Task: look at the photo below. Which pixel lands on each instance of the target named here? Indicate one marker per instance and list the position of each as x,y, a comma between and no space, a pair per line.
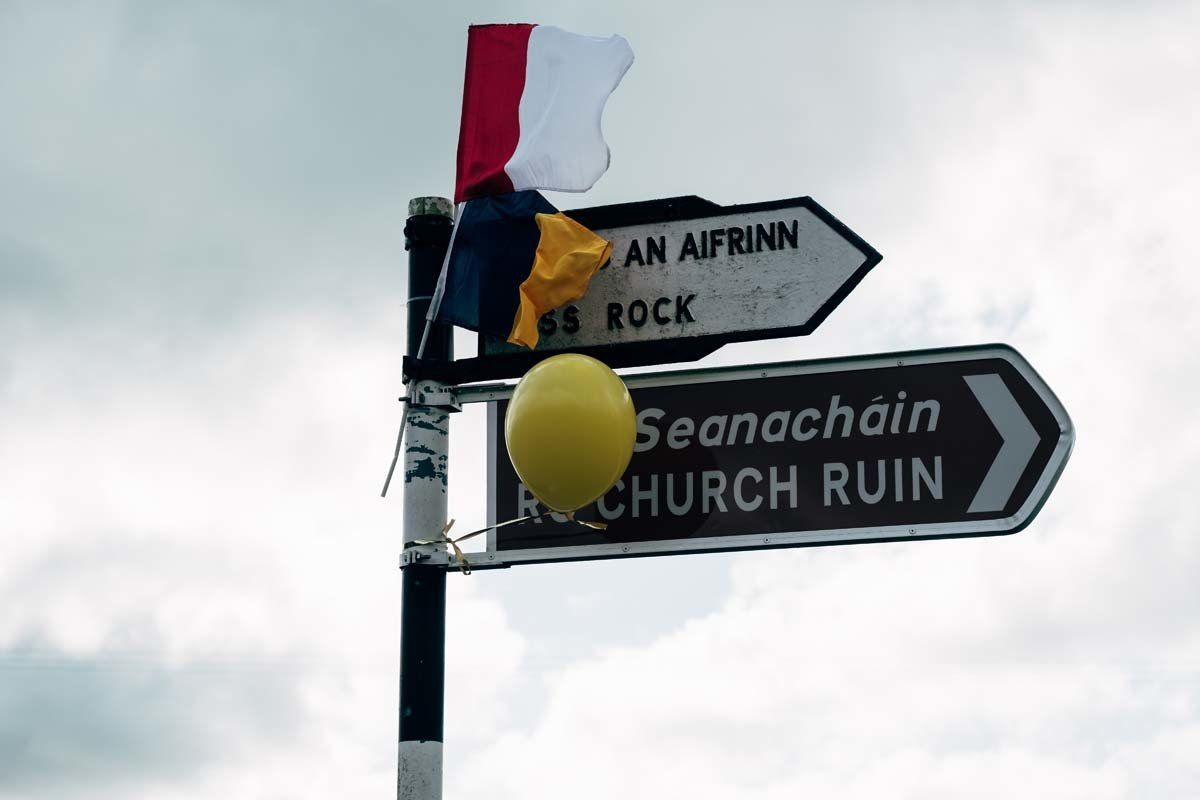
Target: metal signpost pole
423,610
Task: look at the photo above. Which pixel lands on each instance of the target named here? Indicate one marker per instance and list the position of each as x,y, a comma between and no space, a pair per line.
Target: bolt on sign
922,445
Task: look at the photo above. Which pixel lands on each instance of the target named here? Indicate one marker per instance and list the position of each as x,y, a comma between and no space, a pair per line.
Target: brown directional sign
687,276
922,445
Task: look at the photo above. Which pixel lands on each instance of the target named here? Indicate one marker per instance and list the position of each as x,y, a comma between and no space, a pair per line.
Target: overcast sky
201,323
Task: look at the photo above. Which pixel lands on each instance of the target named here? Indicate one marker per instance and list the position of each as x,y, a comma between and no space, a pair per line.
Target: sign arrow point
1019,442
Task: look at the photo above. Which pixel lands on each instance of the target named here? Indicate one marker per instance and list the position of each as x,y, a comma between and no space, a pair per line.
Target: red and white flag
532,103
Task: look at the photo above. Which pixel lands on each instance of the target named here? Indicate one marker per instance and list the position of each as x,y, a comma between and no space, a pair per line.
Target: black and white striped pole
423,601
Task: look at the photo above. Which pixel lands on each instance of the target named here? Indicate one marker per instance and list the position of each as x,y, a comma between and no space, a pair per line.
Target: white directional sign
686,276
686,268
933,444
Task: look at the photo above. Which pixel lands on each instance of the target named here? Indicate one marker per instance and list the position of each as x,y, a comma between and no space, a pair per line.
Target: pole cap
430,206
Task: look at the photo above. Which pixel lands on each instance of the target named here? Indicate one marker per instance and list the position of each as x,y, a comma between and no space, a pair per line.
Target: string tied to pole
460,558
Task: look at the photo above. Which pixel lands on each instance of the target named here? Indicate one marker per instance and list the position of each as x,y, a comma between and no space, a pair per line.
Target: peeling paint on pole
425,456
425,451
430,206
420,770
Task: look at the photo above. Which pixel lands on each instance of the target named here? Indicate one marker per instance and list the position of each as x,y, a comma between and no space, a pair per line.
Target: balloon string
463,565
596,526
461,560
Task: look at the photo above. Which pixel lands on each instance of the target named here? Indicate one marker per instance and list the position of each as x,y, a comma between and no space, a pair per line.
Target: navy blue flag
513,258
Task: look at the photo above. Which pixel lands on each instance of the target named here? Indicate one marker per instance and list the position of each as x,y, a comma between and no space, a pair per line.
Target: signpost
923,445
688,275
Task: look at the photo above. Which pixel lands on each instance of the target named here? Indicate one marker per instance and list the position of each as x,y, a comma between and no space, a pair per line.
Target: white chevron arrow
1020,440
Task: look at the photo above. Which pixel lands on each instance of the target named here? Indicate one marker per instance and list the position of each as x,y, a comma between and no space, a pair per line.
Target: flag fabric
532,102
514,258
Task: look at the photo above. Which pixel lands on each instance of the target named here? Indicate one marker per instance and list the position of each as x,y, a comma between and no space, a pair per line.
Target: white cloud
199,578
930,670
198,587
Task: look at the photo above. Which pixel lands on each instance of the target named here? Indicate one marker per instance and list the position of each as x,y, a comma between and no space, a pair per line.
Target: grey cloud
193,162
188,163
70,724
129,661
26,275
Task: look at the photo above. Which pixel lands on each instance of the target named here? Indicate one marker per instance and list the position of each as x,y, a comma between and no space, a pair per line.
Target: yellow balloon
570,428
